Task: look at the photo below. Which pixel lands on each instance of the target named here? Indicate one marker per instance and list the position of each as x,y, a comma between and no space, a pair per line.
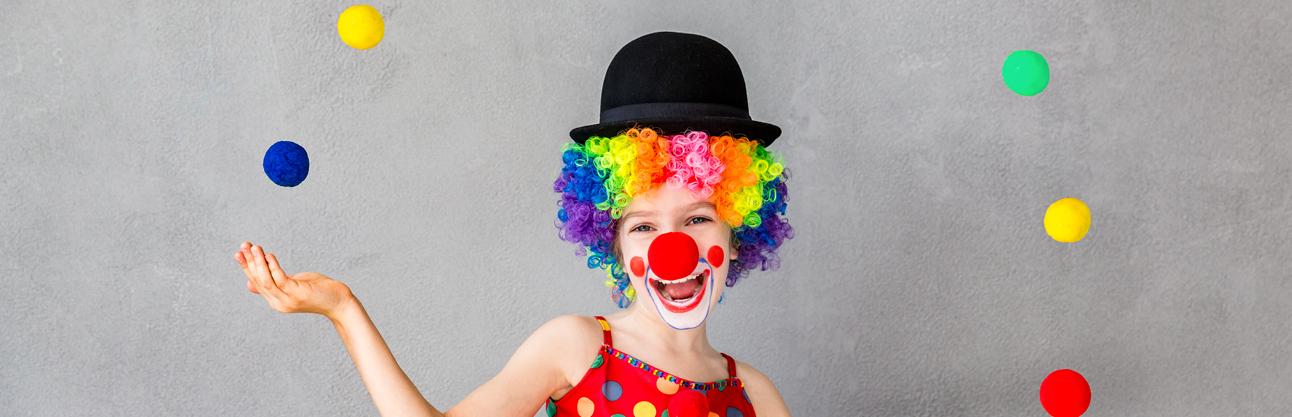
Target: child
664,215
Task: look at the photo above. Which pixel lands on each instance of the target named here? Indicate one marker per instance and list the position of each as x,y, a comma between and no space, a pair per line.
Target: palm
315,292
305,292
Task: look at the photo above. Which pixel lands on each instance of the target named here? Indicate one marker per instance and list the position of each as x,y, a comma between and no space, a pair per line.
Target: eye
700,220
640,228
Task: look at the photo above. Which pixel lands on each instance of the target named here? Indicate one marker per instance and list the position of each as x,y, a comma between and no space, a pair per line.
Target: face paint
716,256
638,267
676,268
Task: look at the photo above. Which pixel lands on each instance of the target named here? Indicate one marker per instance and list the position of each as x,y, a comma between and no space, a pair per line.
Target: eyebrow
694,206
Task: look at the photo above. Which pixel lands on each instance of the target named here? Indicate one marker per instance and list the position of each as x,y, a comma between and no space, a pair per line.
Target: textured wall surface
920,283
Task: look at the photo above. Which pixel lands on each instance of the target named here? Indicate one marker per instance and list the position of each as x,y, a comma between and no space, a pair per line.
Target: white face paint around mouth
686,313
661,285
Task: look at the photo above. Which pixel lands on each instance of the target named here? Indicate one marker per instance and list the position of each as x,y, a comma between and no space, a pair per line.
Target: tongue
682,290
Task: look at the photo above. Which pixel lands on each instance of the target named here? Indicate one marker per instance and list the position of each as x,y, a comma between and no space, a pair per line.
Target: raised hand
304,292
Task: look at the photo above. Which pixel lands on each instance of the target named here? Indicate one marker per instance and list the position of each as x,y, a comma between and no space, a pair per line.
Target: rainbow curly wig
745,181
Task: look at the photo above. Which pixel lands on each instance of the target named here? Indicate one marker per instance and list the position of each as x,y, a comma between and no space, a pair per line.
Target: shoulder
762,393
544,364
570,341
571,330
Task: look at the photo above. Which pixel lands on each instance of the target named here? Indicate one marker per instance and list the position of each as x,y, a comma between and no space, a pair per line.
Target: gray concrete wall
921,281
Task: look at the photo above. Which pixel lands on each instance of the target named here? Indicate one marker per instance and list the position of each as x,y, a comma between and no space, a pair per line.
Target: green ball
1026,73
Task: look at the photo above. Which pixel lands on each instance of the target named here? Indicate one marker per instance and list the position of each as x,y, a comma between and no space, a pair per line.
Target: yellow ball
361,26
1067,220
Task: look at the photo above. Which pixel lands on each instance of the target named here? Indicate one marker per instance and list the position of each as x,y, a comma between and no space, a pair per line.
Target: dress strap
731,364
605,332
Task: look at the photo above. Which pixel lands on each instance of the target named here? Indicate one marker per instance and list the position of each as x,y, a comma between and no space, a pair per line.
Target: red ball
689,403
1065,393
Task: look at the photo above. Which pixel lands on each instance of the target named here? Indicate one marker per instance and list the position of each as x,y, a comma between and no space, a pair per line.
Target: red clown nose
673,255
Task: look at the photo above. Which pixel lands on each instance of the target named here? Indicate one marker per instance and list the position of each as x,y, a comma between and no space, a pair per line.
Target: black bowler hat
675,82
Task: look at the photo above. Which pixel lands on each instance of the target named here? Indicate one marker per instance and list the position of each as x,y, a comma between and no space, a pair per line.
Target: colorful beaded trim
702,386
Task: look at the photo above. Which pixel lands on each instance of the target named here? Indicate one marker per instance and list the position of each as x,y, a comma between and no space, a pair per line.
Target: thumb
284,281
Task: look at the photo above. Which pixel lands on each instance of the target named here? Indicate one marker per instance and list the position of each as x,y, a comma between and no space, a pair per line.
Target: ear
735,245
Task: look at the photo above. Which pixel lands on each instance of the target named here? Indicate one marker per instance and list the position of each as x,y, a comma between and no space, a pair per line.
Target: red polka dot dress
619,385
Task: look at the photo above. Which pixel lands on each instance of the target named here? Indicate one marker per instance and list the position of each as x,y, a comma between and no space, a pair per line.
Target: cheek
638,266
716,256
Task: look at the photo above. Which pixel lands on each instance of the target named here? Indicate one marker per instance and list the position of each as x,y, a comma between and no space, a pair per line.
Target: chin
685,312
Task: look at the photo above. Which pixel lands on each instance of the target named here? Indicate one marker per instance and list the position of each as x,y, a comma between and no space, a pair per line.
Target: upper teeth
679,279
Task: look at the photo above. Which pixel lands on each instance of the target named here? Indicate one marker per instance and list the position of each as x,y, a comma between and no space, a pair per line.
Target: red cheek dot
716,256
638,266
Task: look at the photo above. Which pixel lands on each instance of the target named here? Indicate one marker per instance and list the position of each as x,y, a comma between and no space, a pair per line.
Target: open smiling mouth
683,294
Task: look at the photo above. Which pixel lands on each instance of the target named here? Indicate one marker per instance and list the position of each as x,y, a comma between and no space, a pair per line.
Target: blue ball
286,163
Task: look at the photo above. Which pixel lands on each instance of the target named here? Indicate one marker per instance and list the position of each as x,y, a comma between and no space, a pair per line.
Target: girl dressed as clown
676,196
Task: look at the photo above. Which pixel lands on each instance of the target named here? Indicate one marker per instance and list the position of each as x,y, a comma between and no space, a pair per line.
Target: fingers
261,270
262,280
265,276
244,255
276,271
245,260
248,263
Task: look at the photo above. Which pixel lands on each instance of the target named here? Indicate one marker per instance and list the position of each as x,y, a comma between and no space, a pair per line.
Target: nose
673,255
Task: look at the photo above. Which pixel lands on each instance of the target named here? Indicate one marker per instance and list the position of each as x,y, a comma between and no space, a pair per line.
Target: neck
647,324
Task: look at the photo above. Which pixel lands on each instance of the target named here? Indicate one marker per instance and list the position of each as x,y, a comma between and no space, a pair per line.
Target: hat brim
764,133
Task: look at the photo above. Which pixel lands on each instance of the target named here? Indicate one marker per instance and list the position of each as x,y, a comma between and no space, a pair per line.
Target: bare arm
535,371
532,374
766,399
391,390
308,292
